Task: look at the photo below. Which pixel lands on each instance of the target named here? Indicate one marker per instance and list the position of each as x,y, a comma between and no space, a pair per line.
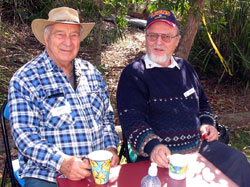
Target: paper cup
100,162
178,166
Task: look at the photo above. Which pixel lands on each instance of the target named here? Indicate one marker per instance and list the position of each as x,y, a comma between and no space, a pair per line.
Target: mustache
159,47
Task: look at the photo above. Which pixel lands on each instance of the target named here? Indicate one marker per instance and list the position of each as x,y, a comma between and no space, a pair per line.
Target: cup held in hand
178,166
100,162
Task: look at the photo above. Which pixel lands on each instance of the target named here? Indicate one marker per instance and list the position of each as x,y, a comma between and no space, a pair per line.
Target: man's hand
212,132
115,160
159,155
75,168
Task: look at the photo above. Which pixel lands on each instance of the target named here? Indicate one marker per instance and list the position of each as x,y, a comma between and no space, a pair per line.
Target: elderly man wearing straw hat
59,105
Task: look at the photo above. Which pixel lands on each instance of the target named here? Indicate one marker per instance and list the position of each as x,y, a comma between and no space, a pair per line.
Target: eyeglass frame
169,38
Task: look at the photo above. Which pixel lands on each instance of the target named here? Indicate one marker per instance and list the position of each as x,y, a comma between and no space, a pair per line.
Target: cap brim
160,20
38,26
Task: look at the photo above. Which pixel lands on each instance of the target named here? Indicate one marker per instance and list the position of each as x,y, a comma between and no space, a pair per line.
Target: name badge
189,92
61,110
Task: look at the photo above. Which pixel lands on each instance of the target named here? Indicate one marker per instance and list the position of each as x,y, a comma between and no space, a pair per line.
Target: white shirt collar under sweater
150,64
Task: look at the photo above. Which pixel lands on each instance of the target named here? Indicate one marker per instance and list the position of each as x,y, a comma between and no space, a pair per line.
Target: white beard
158,59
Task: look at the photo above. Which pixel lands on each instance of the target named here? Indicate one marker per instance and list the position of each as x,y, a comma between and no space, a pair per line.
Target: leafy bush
24,11
229,27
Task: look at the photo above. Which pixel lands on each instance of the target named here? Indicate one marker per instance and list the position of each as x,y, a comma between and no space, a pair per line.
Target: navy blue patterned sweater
162,105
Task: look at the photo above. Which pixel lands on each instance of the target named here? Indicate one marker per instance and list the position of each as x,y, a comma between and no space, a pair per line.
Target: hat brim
38,26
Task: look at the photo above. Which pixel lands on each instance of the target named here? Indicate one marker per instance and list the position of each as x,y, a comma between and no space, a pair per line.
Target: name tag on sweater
189,92
61,110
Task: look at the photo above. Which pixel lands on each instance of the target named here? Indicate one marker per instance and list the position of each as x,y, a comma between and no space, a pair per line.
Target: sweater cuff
151,145
207,118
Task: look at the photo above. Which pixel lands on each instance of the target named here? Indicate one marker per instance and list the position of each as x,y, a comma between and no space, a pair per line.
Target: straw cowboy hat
60,15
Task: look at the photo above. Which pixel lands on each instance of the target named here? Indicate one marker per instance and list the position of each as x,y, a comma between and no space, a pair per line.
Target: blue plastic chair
11,166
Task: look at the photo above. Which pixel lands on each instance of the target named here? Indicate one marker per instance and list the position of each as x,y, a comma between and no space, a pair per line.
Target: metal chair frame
124,150
8,168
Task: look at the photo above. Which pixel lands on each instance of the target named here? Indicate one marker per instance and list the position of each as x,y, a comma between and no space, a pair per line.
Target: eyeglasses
166,38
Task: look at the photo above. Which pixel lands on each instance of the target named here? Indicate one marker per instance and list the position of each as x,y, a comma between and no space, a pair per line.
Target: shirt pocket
56,109
96,106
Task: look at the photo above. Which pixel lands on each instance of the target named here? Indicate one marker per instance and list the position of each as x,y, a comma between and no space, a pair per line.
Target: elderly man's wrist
151,145
112,150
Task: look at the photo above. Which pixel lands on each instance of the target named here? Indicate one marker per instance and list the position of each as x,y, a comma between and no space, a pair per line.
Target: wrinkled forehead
65,26
162,26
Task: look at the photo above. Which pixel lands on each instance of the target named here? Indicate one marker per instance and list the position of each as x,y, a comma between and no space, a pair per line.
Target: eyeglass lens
164,37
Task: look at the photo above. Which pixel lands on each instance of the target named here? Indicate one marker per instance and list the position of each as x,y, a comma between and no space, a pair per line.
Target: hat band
65,20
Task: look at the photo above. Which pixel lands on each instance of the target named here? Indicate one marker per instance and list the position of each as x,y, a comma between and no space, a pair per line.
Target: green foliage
102,69
8,184
24,11
168,5
228,24
43,7
240,139
117,9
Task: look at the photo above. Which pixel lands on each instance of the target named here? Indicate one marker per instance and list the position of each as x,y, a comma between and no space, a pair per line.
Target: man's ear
46,37
179,38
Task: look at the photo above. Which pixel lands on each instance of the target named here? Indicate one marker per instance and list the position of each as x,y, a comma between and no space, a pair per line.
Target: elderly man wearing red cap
59,105
163,109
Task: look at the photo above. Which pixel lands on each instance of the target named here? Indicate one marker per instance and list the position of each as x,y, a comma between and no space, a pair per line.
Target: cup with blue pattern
100,162
178,164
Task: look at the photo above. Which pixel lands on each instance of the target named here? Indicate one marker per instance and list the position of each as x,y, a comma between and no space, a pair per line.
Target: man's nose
159,40
67,40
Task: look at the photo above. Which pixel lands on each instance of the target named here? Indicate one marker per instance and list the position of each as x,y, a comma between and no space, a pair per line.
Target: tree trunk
98,34
190,30
1,7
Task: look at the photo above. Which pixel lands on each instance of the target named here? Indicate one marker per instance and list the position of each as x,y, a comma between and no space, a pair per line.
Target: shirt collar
50,64
150,64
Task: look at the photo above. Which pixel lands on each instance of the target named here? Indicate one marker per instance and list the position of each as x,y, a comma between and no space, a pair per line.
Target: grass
240,139
7,184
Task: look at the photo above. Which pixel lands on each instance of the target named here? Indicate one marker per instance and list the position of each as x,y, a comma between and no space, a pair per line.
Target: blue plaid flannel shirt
49,120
